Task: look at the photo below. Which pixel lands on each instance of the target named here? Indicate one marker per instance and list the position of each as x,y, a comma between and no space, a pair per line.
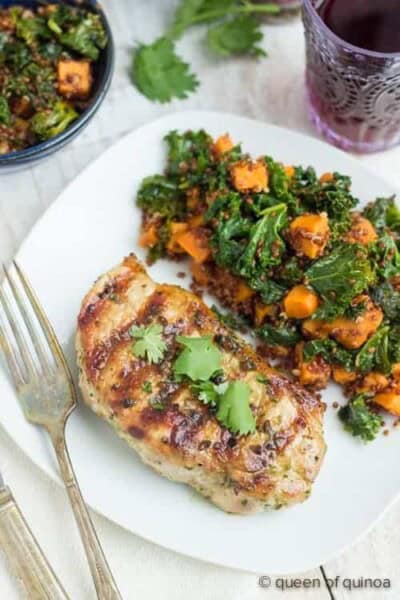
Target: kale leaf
374,355
5,114
386,255
330,351
394,343
360,420
383,213
290,272
332,196
339,277
265,246
279,334
160,195
188,153
270,291
388,298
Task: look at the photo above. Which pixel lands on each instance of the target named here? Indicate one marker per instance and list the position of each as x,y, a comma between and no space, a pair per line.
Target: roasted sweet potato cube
74,79
250,176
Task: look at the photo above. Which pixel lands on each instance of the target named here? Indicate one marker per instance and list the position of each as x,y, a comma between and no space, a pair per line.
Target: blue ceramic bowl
102,81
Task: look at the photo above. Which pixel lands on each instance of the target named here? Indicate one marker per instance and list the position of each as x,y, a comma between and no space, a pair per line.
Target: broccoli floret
359,419
52,121
83,33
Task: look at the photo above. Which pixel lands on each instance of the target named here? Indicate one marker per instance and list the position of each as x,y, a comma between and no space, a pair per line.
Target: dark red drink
370,24
353,71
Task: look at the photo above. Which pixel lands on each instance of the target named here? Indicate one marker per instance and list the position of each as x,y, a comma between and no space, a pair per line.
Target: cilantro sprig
149,343
234,409
199,361
161,75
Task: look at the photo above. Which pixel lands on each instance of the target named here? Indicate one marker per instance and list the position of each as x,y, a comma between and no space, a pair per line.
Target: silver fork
47,394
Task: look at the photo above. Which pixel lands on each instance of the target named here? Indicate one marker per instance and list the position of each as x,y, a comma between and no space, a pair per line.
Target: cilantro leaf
236,36
199,360
209,392
150,343
186,11
234,409
160,74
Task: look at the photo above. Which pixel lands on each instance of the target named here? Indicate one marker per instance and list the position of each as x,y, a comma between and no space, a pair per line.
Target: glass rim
338,39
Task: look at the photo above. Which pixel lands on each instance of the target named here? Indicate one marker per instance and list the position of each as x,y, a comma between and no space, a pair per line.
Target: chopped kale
388,298
339,277
360,420
330,351
290,272
158,195
374,355
265,245
386,255
5,114
231,320
189,154
281,334
383,213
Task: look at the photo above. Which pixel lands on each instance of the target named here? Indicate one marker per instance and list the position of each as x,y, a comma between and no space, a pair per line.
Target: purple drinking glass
353,93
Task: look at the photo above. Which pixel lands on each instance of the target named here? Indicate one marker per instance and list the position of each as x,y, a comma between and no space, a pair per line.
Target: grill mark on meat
102,353
116,286
152,308
137,432
184,431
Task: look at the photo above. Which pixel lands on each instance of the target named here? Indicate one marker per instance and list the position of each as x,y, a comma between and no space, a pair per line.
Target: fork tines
26,336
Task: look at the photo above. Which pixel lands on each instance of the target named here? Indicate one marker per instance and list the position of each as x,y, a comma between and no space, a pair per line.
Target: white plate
92,225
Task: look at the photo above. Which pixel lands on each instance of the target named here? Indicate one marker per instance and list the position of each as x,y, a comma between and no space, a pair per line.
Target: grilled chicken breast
274,466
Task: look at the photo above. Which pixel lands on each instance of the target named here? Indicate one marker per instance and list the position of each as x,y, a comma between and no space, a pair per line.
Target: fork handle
24,554
105,585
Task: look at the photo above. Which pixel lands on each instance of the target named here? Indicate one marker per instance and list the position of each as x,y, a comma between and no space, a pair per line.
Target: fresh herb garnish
231,401
209,392
160,74
199,360
150,343
236,36
234,409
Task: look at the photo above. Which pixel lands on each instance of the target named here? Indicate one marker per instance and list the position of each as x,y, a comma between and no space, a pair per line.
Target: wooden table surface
271,90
